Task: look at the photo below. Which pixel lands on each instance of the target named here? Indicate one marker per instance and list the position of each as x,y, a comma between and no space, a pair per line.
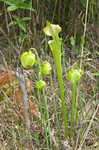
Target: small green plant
18,4
72,41
20,22
73,76
55,45
76,50
13,6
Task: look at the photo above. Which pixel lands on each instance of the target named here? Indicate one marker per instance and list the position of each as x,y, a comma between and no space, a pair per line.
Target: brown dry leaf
8,77
17,96
28,85
33,110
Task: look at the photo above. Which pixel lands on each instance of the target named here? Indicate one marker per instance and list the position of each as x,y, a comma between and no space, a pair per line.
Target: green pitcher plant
27,59
73,76
46,67
40,84
55,46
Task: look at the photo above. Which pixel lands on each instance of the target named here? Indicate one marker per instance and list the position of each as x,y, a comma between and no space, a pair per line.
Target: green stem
38,62
60,80
47,118
54,104
44,124
73,109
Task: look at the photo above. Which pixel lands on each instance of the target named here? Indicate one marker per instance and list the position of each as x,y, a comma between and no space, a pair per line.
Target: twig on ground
86,133
65,145
54,140
84,34
21,80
